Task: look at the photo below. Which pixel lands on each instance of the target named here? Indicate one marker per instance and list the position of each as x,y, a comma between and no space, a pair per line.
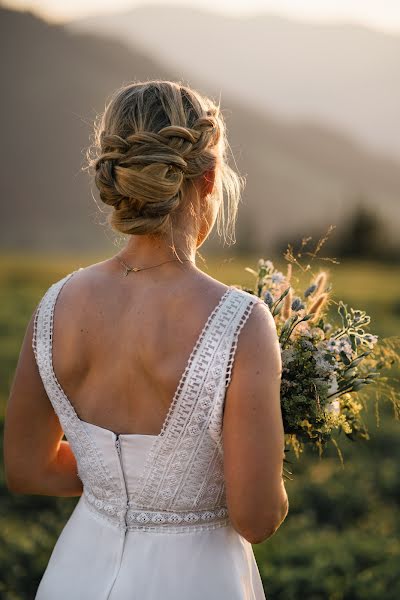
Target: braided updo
153,139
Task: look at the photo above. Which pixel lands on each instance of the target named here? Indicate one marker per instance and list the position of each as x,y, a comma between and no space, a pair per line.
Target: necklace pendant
129,269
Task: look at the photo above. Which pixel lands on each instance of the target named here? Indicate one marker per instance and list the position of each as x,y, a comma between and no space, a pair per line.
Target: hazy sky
379,14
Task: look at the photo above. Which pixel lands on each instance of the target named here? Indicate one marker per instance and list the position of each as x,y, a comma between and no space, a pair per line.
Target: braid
144,159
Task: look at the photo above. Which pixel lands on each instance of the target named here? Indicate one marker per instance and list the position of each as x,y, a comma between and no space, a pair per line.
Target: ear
208,180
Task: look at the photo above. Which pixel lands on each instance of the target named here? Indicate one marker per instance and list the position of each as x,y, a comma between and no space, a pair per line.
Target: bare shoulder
79,301
81,284
259,332
205,281
258,356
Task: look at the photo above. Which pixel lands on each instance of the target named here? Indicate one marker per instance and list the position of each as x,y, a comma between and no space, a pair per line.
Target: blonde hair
152,141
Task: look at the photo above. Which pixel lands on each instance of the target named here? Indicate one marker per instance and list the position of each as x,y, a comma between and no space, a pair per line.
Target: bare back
120,353
122,343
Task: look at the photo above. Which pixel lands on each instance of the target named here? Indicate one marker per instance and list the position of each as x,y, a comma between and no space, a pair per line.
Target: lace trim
190,361
184,467
35,331
185,518
205,473
203,482
91,468
153,520
243,318
216,418
155,447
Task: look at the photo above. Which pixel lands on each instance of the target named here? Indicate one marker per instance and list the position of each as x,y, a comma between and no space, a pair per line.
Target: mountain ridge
299,177
343,75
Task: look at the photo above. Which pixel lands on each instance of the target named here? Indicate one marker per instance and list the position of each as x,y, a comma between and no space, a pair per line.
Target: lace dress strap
242,303
183,466
42,344
242,314
91,468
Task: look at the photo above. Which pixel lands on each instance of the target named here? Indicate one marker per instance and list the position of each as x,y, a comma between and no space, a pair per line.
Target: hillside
340,75
55,83
299,175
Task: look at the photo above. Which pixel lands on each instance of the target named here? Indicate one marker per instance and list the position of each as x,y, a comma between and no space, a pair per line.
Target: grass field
341,539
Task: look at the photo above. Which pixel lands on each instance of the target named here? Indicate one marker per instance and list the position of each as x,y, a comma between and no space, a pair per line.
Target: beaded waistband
131,518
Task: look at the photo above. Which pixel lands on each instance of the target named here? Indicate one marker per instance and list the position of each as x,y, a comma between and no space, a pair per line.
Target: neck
147,250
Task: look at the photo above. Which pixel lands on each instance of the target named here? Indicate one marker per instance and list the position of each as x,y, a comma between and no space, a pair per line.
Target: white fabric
152,521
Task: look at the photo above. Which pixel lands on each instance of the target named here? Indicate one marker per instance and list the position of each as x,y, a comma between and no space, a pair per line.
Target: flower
344,346
322,365
370,339
277,277
315,308
333,386
332,345
334,407
297,304
269,265
321,362
268,299
310,290
320,282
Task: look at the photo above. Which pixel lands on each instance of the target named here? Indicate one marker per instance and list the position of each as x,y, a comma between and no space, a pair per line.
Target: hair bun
153,138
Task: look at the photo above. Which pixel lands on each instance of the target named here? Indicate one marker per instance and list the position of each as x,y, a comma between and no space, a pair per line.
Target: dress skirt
94,560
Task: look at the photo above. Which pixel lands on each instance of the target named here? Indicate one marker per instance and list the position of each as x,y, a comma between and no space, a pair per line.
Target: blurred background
311,95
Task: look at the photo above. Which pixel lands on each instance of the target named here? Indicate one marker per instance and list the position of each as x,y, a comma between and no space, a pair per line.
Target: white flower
334,407
277,277
332,345
322,365
333,387
370,339
269,265
345,346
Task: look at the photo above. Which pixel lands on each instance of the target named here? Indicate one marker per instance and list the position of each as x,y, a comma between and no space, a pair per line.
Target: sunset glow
378,14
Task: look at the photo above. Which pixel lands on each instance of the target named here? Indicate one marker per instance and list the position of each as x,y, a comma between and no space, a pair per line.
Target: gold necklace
128,268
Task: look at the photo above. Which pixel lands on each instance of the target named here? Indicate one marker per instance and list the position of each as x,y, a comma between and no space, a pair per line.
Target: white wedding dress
152,522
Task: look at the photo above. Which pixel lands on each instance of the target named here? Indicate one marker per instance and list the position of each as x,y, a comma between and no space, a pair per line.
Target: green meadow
341,538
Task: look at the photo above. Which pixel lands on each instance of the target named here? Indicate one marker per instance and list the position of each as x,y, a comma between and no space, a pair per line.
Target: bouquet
327,364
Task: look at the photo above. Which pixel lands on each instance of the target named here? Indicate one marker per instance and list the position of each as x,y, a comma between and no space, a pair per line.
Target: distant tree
364,235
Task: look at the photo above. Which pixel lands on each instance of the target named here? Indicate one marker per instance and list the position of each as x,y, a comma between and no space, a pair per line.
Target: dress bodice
171,482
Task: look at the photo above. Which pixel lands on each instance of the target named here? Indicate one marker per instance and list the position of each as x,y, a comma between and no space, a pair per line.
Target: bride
164,381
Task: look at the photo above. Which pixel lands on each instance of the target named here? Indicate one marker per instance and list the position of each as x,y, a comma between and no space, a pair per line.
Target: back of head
153,141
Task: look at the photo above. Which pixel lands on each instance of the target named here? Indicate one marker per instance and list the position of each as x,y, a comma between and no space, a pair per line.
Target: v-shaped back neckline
183,377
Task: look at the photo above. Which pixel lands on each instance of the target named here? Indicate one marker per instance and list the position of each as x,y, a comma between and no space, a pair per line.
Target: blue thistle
297,304
268,299
310,290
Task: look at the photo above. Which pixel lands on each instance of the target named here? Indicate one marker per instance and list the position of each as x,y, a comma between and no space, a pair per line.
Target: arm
36,459
253,435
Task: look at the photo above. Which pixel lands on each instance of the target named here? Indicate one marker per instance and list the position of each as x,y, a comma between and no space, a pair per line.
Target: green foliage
340,540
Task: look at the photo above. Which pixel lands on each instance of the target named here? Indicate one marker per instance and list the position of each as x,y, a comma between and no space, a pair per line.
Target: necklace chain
129,268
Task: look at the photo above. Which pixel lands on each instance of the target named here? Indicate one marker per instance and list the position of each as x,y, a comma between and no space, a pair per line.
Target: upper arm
253,434
32,431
